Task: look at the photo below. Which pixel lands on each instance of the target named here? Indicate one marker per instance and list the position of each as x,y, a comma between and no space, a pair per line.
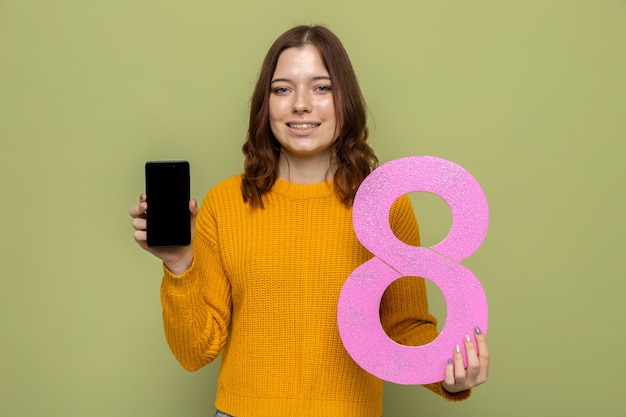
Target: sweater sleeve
197,304
404,307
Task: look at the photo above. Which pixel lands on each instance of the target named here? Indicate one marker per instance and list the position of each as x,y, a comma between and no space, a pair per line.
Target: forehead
300,61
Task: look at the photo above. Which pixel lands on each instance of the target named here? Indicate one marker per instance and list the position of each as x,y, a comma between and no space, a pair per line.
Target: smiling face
301,107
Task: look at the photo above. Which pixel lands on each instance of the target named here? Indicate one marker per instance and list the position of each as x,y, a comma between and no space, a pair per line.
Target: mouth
303,126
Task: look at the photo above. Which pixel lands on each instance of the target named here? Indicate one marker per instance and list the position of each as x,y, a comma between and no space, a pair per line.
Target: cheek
328,108
274,127
277,111
273,107
274,116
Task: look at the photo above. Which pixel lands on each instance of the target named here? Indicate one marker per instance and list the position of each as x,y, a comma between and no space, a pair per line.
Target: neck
304,170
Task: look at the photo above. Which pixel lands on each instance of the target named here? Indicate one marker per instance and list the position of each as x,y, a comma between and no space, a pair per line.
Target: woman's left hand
458,378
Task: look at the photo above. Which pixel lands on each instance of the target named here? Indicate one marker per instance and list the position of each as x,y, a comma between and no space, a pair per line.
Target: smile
303,126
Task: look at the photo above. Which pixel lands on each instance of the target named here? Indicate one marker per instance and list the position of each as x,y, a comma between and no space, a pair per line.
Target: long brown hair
354,159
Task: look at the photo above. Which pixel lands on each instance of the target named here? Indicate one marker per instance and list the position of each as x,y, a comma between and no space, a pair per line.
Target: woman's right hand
177,259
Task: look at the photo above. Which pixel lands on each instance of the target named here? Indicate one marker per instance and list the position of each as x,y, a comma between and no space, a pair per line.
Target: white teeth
302,126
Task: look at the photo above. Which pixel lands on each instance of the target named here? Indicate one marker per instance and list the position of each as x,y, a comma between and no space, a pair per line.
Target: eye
280,90
323,89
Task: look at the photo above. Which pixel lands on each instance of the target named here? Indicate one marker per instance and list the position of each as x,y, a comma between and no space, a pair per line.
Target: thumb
194,209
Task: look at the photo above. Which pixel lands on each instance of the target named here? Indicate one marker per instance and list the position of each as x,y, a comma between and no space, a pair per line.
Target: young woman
272,248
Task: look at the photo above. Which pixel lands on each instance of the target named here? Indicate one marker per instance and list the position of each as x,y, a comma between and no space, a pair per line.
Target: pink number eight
466,304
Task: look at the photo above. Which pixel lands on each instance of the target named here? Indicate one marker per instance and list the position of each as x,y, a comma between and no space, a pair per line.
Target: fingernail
457,349
477,330
450,361
467,339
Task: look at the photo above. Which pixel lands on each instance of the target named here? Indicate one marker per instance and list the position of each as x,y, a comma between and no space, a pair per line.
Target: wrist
180,265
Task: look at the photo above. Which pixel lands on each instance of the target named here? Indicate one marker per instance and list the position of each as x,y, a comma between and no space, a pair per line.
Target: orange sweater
263,290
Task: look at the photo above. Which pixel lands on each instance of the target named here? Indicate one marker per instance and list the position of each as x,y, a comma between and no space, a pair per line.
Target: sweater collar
303,191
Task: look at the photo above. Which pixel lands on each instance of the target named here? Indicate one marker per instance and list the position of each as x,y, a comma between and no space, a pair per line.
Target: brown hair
353,157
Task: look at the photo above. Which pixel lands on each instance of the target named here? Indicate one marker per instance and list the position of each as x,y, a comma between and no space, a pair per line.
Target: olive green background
528,96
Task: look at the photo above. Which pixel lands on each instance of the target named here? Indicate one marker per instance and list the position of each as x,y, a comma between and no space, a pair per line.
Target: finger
143,197
139,223
143,209
460,376
194,207
473,364
134,211
481,340
449,378
138,210
483,354
141,236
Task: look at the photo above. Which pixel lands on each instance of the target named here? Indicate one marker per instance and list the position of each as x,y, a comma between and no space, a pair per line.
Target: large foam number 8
359,302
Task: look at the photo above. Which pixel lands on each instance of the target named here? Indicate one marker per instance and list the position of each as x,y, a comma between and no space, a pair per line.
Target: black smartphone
167,193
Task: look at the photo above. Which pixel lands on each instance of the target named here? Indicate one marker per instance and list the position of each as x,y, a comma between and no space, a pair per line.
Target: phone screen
167,192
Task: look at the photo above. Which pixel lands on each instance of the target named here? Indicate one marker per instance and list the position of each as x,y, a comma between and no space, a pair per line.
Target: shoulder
226,186
224,198
402,207
227,192
231,183
403,222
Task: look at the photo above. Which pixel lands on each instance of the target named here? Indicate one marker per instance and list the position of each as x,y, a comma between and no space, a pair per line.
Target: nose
302,103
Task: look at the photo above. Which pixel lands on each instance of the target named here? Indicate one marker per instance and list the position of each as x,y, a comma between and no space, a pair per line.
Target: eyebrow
319,77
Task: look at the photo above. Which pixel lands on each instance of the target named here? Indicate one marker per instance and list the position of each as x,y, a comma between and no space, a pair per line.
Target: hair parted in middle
352,156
